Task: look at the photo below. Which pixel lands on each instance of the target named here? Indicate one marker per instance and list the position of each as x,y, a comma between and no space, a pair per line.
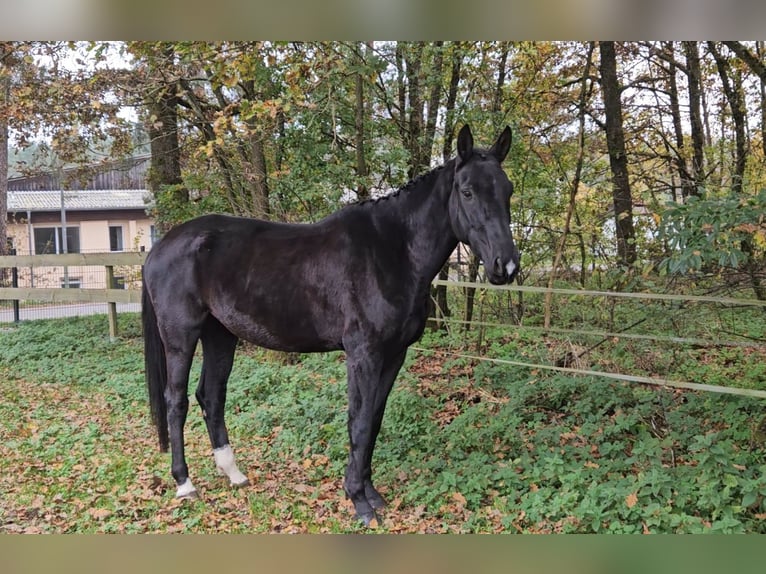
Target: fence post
15,285
111,306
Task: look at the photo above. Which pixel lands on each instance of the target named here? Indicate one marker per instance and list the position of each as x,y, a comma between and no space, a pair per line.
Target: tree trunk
732,88
501,72
401,91
582,111
434,102
360,109
761,52
618,161
254,156
5,96
414,64
691,50
163,135
687,181
259,186
449,108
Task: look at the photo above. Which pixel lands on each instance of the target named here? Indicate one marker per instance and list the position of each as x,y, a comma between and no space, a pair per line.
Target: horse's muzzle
502,273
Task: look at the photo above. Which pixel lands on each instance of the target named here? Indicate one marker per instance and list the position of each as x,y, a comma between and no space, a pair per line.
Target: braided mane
410,185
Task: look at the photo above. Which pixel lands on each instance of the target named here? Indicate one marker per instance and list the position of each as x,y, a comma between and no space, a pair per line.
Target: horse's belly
283,331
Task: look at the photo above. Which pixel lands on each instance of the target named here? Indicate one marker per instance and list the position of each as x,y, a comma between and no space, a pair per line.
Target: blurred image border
383,20
373,554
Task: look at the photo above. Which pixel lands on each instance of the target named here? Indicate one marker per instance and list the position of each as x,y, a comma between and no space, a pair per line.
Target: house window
115,238
49,240
154,235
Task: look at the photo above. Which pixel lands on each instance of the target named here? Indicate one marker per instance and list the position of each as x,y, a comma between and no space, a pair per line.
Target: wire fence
656,335
583,321
70,285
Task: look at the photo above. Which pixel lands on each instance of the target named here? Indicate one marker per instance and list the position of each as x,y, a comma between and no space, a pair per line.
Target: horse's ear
502,145
465,143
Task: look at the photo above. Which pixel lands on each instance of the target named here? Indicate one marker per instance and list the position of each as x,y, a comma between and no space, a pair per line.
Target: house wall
94,237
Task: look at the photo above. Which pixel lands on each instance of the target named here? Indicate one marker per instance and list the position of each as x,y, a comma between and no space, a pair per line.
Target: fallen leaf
100,513
631,500
459,498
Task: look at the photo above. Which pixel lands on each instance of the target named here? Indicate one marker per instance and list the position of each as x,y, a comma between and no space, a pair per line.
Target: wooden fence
112,296
107,295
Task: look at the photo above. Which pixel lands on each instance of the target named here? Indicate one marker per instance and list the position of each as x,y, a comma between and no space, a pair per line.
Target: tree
362,110
732,88
694,76
688,186
6,56
162,105
585,92
71,109
618,161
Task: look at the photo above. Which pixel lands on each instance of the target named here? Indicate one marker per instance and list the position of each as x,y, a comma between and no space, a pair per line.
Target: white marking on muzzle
224,461
510,268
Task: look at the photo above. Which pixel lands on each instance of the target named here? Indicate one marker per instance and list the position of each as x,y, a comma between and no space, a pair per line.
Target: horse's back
297,287
275,284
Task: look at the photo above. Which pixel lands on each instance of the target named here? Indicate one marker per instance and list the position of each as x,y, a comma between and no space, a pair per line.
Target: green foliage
721,231
171,209
465,446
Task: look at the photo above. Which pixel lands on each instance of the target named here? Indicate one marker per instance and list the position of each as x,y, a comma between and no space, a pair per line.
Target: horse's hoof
369,519
191,496
377,502
186,491
241,484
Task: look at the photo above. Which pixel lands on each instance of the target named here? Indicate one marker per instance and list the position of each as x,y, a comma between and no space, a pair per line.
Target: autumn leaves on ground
87,471
465,447
85,460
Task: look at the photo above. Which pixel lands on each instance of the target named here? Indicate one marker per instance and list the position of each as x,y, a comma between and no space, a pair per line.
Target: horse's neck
426,212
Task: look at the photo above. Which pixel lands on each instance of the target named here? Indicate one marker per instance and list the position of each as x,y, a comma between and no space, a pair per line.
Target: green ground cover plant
466,445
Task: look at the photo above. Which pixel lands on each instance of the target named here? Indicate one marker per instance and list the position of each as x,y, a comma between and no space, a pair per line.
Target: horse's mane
426,177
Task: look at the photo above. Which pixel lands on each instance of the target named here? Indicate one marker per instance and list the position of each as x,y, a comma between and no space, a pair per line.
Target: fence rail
107,295
617,294
74,259
112,296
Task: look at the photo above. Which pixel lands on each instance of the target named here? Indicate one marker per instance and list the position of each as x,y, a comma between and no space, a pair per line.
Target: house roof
80,200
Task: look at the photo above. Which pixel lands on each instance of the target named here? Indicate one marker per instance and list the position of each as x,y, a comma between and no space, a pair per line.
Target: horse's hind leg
218,347
179,355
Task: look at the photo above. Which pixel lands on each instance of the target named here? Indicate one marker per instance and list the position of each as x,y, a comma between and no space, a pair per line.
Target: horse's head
479,205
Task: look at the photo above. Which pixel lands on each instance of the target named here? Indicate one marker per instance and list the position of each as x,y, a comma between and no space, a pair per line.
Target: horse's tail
155,368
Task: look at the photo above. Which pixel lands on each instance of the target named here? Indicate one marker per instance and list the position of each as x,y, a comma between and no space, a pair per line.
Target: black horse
358,280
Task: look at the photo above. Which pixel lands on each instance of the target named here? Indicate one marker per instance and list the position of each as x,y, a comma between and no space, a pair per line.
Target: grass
466,446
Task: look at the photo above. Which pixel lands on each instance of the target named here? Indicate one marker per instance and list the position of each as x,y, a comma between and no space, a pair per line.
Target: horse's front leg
370,378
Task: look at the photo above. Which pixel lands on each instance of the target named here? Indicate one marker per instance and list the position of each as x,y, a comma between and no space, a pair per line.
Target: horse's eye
467,192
